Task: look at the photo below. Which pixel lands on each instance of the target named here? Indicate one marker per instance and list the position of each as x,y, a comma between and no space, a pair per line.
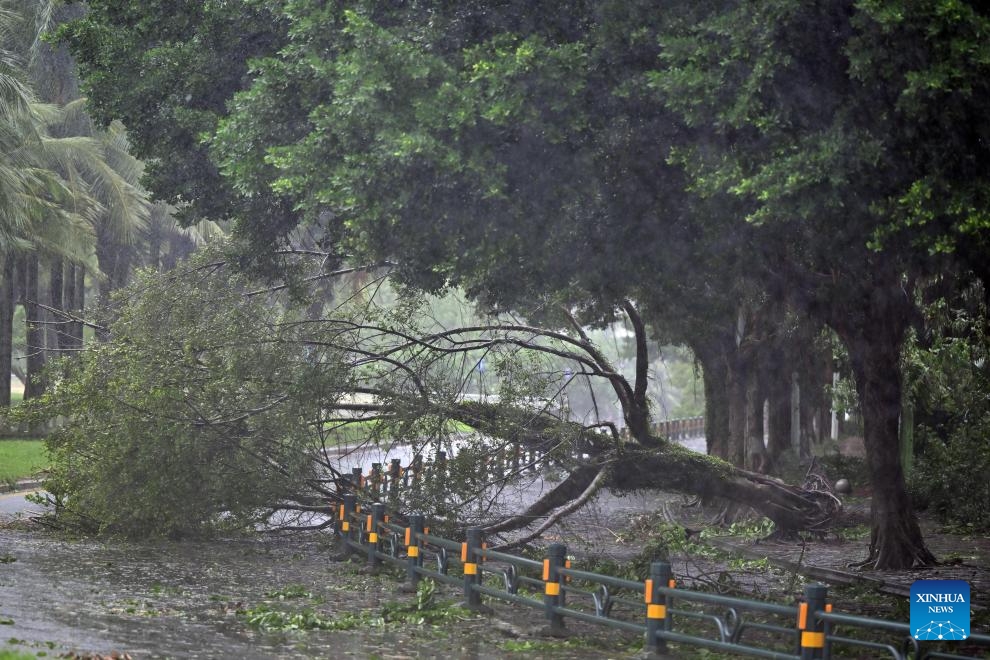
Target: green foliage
948,379
190,57
192,419
16,655
266,619
288,592
950,478
424,610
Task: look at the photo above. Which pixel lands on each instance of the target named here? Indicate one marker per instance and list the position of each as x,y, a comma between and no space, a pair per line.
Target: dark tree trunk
155,248
115,264
715,377
78,275
70,306
56,293
779,422
35,330
874,347
738,410
756,452
6,328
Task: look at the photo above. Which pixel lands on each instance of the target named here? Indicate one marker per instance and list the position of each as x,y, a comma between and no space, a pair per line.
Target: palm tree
62,183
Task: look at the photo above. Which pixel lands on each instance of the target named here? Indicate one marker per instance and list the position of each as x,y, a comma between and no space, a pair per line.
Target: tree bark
56,293
35,330
6,327
738,374
874,347
681,470
715,377
779,390
79,305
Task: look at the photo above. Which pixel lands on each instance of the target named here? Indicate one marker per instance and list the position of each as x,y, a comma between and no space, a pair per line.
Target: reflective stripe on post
472,577
414,560
654,611
346,511
374,521
812,628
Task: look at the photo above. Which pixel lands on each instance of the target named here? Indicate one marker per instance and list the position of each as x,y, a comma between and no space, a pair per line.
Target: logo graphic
940,610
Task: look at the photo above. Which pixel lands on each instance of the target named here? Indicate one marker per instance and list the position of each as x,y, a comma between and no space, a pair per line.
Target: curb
20,486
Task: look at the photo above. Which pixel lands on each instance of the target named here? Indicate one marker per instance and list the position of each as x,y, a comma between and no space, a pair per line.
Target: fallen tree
215,402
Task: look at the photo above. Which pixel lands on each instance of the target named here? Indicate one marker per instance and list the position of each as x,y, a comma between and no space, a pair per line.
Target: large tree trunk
74,301
739,378
874,348
779,423
6,327
681,470
757,458
56,293
715,377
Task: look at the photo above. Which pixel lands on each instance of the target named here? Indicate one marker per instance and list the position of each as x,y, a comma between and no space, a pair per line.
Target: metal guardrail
655,607
388,479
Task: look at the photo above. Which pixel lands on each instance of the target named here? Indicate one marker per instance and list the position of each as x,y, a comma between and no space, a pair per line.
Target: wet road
156,600
16,503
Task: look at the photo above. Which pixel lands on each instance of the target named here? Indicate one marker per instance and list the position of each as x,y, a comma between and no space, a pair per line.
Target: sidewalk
20,485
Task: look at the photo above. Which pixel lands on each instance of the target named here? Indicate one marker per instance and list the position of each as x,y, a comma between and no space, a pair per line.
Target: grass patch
15,655
21,458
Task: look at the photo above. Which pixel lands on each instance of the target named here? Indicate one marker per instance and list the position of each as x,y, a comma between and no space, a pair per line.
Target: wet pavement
179,600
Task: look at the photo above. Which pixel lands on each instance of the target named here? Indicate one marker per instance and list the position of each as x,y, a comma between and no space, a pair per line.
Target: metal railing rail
663,613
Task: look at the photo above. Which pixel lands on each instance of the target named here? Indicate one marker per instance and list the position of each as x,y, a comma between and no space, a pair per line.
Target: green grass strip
20,459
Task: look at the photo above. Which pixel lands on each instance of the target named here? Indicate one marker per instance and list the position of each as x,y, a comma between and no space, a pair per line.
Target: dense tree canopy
700,159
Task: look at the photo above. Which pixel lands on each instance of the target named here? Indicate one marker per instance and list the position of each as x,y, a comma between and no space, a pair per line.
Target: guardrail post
346,513
357,478
656,606
415,560
553,596
812,628
472,576
377,477
374,520
394,475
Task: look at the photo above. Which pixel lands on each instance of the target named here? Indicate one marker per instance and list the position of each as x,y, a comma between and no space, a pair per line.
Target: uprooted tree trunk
652,465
